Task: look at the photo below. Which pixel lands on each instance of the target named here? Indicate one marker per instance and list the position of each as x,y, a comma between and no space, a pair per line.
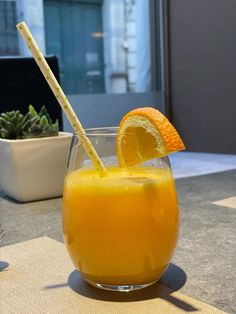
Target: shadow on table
13,201
3,265
173,280
8,198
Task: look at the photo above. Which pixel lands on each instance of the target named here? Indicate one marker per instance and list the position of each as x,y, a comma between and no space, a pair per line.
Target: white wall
131,44
143,42
114,52
126,25
32,12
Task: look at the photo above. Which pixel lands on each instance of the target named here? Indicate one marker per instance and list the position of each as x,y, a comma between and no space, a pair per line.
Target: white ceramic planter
34,169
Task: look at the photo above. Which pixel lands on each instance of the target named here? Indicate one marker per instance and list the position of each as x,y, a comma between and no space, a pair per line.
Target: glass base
120,288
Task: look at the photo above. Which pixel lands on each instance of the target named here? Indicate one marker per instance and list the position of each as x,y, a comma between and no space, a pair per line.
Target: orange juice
121,229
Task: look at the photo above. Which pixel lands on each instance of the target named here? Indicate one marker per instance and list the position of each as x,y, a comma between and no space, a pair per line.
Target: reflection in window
102,46
127,45
8,33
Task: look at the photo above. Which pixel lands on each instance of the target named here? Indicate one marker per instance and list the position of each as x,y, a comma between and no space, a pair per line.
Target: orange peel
144,134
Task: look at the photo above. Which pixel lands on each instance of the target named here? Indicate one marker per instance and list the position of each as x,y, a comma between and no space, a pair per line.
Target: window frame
111,107
159,96
16,16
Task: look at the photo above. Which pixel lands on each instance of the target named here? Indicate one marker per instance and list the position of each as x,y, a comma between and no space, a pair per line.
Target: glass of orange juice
120,230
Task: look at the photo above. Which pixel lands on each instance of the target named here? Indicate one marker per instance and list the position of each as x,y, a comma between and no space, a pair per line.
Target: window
102,46
8,33
110,52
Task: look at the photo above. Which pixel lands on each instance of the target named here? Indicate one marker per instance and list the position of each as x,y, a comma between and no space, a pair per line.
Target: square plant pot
34,169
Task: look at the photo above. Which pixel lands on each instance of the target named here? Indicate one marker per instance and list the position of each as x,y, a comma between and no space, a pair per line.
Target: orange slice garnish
144,134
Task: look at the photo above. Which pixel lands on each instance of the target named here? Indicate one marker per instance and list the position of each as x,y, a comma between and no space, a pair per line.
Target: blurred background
115,55
98,43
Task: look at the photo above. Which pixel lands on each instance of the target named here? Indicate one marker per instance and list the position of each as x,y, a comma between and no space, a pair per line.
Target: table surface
204,264
40,278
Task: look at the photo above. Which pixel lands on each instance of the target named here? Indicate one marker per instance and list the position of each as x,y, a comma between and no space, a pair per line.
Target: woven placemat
37,277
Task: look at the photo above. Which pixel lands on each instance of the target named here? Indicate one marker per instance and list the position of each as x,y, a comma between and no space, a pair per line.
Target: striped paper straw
61,97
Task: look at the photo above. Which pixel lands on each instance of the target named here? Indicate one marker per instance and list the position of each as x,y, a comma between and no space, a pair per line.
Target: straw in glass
61,97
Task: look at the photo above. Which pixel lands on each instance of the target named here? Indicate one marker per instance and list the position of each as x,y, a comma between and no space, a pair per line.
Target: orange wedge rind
144,134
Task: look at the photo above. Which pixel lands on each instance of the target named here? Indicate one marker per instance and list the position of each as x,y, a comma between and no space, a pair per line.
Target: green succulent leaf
44,122
4,133
15,125
32,111
44,112
55,126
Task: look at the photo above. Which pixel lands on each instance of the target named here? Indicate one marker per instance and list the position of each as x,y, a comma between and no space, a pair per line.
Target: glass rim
100,131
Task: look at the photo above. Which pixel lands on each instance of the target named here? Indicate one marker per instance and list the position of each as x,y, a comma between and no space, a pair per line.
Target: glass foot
123,288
